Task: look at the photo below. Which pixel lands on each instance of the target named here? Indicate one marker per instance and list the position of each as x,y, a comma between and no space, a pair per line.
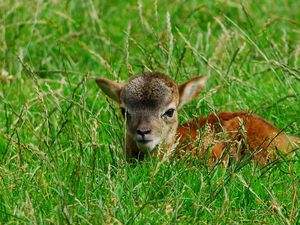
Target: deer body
149,103
235,133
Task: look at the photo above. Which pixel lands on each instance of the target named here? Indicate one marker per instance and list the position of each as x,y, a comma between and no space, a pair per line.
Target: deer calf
150,102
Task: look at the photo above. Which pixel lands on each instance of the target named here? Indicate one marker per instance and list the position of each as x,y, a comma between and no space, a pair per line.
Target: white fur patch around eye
122,105
172,105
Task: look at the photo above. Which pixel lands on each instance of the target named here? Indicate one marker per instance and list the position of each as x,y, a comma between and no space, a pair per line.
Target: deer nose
143,132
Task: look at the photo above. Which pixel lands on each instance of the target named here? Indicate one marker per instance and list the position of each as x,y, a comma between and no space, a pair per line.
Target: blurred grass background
61,139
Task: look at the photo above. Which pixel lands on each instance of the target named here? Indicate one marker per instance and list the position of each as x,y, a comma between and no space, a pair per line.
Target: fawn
150,102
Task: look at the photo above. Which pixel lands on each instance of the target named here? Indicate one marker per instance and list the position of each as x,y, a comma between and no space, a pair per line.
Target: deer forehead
148,91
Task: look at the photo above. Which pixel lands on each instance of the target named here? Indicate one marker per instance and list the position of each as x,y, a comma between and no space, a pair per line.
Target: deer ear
111,88
190,89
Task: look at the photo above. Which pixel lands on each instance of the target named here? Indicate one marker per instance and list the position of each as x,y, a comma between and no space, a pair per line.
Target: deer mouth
146,144
143,141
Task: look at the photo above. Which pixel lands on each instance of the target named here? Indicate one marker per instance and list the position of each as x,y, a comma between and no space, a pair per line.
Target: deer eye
169,113
125,113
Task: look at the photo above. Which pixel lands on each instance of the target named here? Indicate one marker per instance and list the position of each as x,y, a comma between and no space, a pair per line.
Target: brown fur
149,90
246,135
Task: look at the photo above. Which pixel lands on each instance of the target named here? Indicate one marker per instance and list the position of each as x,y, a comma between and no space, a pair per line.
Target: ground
61,139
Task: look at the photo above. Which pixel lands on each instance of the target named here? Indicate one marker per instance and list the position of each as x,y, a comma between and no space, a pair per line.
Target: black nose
143,132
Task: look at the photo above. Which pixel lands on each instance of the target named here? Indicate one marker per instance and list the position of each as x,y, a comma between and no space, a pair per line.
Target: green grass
61,139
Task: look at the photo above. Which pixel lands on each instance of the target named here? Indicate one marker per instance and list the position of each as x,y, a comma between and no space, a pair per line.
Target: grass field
61,139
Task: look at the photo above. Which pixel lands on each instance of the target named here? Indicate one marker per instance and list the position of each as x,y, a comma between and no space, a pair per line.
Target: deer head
149,103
